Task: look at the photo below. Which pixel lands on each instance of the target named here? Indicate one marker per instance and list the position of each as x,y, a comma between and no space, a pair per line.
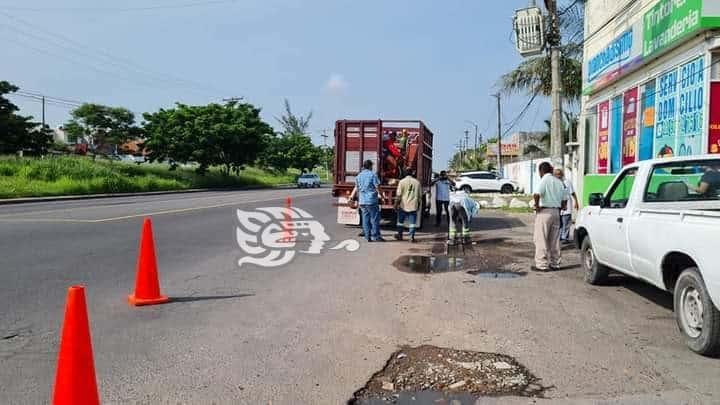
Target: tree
17,132
104,125
471,159
293,124
541,146
293,150
292,147
533,76
230,135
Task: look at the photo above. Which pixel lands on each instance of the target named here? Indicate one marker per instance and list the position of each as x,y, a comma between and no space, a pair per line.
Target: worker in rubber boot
462,209
408,204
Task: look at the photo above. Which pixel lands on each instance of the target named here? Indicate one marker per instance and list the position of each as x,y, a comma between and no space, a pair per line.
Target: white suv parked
484,181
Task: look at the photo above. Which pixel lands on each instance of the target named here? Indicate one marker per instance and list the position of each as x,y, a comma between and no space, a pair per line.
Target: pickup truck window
620,193
684,181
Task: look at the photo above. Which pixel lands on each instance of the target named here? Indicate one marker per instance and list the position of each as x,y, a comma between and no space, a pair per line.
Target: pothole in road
427,374
496,266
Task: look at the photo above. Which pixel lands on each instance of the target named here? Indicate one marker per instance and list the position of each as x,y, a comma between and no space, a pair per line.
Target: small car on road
308,180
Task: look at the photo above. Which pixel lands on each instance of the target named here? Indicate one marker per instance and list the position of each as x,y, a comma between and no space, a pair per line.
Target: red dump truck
394,146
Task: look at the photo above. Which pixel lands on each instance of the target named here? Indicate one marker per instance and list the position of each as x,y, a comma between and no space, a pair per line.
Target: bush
67,175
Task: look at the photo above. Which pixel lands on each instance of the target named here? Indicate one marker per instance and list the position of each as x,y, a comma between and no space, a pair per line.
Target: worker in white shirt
572,203
550,199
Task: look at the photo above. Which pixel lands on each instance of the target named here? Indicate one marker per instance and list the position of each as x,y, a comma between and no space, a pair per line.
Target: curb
27,200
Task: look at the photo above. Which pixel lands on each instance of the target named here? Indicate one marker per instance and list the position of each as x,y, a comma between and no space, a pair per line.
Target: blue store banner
691,107
666,114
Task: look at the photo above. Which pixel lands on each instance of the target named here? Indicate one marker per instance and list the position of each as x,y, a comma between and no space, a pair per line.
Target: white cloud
336,84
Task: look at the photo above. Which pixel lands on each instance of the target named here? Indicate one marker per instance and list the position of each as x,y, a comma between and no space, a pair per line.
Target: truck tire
696,315
466,189
595,273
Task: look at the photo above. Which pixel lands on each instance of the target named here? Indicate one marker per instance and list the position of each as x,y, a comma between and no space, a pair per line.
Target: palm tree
542,144
533,76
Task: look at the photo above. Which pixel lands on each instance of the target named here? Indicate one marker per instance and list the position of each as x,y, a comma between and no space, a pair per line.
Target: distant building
521,145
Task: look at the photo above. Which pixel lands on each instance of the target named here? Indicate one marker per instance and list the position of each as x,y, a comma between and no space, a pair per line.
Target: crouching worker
462,209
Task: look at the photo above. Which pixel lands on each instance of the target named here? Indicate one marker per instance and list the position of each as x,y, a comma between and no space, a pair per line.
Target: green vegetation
30,177
19,133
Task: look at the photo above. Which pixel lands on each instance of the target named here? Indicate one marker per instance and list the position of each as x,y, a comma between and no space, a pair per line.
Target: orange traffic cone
75,382
287,233
147,284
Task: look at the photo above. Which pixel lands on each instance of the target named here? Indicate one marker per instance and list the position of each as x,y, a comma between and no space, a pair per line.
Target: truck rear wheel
595,273
696,315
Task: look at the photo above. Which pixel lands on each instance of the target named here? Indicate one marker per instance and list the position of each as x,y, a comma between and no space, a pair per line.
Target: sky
437,61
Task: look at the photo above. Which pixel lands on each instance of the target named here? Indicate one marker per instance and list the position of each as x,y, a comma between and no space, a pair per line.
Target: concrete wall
525,173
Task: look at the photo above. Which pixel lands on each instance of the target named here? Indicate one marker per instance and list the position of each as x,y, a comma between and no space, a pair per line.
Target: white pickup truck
660,222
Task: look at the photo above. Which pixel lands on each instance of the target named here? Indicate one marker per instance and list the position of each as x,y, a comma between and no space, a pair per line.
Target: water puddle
486,267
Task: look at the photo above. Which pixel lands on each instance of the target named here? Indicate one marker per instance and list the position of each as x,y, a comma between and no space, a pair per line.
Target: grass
72,175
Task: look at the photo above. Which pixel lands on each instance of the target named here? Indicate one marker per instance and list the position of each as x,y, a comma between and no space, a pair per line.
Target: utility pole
460,150
466,143
556,139
475,153
43,112
499,128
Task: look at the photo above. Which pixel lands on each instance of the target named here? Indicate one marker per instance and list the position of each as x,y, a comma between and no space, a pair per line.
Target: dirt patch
443,373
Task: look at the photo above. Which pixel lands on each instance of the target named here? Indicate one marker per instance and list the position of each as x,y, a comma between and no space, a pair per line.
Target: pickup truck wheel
466,189
696,315
595,273
507,189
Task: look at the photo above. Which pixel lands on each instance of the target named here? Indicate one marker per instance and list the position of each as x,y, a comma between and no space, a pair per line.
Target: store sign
666,114
714,127
630,121
618,58
508,149
618,51
690,106
668,22
603,111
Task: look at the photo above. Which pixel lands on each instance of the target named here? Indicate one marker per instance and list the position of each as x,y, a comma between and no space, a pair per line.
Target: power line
120,9
43,35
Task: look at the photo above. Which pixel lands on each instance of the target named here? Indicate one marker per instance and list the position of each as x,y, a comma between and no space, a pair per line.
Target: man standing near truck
366,186
409,195
549,201
442,196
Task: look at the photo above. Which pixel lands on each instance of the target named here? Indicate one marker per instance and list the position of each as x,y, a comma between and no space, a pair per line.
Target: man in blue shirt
366,185
442,196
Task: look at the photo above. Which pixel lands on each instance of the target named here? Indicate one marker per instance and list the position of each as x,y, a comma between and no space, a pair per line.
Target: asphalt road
312,331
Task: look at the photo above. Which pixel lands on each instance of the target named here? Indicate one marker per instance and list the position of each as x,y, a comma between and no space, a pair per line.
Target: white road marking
144,214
